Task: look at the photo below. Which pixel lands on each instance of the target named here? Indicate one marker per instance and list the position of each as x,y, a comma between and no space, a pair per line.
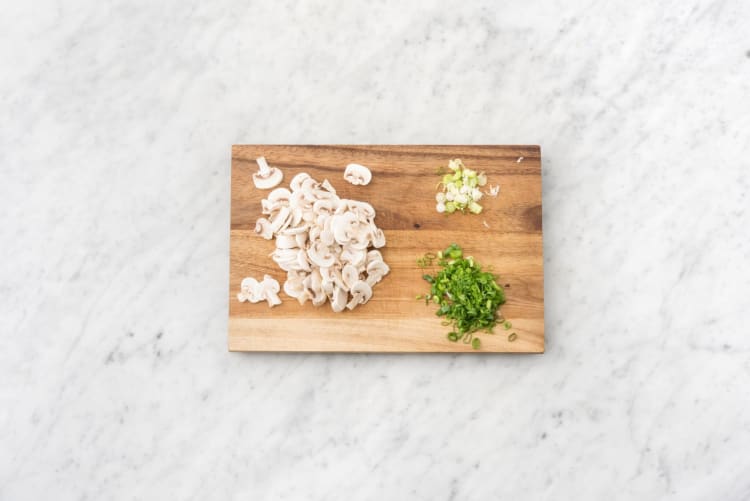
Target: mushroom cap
357,174
268,181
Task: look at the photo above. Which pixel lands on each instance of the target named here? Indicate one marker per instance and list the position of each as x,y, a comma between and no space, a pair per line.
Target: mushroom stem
265,170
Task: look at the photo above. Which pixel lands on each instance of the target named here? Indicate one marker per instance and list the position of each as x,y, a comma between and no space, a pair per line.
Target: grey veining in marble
117,121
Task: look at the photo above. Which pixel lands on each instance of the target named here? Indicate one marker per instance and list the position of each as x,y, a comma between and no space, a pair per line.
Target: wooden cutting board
507,236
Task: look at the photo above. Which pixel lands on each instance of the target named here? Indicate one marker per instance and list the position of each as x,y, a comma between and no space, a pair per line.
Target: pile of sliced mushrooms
326,244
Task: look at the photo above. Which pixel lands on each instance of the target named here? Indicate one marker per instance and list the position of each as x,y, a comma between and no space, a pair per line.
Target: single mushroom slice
286,259
295,230
301,239
326,236
338,277
350,276
250,290
363,209
297,181
293,286
281,220
357,174
267,177
320,254
374,255
376,270
342,225
377,236
263,228
279,195
296,216
286,242
326,206
303,262
338,299
315,287
271,290
355,257
361,293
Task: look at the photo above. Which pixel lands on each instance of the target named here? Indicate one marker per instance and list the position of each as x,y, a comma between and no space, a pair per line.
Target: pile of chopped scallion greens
467,297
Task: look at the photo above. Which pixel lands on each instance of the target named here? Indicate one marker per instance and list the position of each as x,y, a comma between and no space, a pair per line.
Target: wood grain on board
507,236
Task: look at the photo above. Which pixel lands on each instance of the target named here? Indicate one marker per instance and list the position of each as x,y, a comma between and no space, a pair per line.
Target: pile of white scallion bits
460,189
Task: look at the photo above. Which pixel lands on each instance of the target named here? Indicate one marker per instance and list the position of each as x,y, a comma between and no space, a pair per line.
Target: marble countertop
117,121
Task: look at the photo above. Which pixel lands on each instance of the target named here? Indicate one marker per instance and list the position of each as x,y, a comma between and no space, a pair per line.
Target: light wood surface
403,194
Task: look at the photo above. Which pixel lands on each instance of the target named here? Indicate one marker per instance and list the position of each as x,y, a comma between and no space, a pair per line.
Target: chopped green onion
512,337
507,325
476,343
466,297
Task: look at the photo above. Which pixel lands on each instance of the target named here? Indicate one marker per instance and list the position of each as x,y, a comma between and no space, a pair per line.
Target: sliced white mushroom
350,275
322,242
279,195
250,290
285,258
297,181
320,254
263,228
378,238
293,287
286,242
376,270
267,177
374,255
355,257
281,220
338,300
301,239
270,289
316,288
357,174
363,208
361,293
342,226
